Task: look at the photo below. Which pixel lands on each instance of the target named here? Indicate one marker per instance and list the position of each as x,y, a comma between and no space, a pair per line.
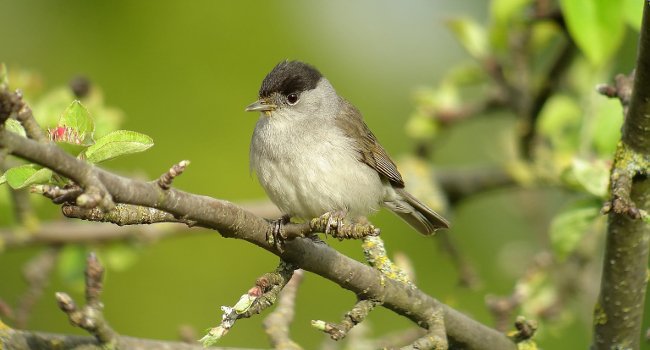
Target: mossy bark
619,311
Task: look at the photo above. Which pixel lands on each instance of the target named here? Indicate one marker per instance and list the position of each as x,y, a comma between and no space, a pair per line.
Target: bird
314,155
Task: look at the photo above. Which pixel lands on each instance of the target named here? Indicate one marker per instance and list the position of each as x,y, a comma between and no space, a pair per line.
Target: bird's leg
276,232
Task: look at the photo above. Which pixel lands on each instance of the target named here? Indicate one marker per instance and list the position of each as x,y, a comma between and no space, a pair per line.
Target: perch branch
234,222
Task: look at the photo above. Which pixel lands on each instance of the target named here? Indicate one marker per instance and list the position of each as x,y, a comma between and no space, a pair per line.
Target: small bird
314,155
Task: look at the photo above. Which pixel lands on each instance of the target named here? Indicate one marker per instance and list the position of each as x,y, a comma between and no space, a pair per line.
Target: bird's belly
311,179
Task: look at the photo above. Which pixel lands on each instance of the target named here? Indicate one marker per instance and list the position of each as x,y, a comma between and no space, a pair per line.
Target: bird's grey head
295,90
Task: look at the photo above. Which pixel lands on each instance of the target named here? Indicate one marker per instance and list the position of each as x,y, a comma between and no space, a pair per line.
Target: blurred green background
184,71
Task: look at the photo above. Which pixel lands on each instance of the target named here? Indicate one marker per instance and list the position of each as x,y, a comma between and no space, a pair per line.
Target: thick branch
619,311
26,340
233,222
637,121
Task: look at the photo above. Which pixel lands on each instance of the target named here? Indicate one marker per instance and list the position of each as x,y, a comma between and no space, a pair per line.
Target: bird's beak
260,106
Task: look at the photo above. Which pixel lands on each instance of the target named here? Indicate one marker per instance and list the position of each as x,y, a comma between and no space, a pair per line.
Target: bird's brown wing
370,151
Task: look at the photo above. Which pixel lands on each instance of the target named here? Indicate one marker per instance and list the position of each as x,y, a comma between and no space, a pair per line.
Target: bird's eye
292,98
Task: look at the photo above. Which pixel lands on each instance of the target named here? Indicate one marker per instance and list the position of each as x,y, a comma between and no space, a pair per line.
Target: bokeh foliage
182,73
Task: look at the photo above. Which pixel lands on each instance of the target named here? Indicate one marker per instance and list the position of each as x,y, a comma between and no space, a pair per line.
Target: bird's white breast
309,167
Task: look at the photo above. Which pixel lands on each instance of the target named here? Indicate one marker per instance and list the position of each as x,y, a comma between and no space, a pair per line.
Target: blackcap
313,153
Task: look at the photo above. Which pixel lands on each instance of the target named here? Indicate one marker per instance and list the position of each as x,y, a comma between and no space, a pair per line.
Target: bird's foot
275,234
334,224
334,220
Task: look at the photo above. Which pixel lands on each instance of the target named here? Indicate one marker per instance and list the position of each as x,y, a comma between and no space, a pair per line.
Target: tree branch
276,324
26,340
91,316
76,232
619,311
234,222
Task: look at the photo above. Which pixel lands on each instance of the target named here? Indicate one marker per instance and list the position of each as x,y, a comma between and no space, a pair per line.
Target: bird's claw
334,220
275,235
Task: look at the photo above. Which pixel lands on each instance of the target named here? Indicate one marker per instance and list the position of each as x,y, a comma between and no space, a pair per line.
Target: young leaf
608,118
77,124
592,176
47,109
471,35
504,15
506,10
597,26
119,256
14,126
25,175
3,179
117,143
569,226
71,265
559,122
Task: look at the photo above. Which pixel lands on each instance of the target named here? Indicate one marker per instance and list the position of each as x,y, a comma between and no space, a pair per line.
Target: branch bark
26,340
234,222
619,310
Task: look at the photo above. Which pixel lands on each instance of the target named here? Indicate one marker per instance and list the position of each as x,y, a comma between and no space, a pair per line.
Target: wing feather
370,151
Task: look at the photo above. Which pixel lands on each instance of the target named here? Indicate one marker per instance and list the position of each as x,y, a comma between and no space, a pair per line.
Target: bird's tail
415,213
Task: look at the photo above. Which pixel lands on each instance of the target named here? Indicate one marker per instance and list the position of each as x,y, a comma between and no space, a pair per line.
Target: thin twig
356,315
277,323
166,179
91,316
264,294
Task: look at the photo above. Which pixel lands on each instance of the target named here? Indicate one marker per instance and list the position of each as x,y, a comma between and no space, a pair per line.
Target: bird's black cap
288,77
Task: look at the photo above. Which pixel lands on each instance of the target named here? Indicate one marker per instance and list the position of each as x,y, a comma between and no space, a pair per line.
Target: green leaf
559,122
608,118
117,143
421,127
14,126
77,123
506,10
47,109
592,176
25,175
120,256
597,26
3,179
633,10
471,35
504,17
570,225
